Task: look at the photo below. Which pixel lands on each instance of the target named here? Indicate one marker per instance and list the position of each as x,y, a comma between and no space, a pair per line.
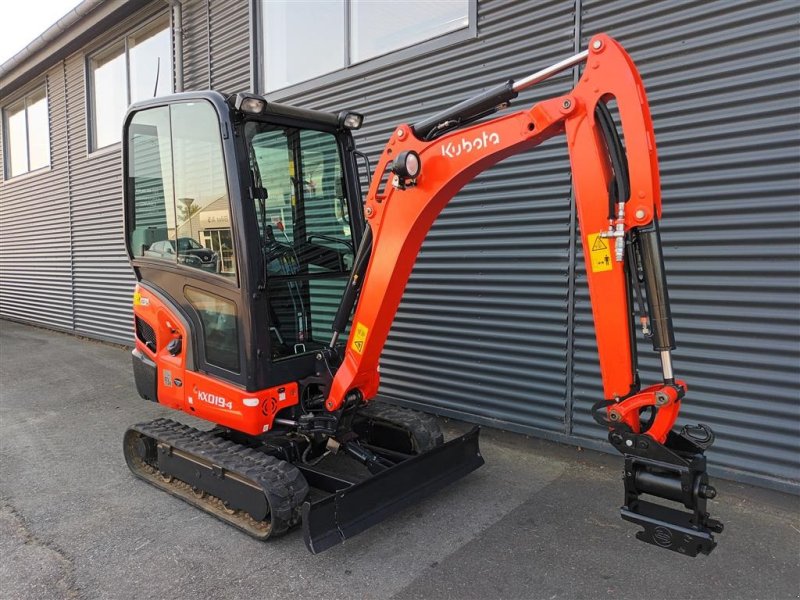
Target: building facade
495,326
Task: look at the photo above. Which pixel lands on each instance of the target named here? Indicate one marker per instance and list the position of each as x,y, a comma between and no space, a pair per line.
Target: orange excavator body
308,395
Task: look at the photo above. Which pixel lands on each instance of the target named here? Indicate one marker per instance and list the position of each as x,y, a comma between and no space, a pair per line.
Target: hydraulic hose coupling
619,243
616,230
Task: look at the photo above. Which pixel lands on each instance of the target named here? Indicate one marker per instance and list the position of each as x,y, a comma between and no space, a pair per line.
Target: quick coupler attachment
675,471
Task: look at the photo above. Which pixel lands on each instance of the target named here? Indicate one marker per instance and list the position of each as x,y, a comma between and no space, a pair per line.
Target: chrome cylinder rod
548,72
666,365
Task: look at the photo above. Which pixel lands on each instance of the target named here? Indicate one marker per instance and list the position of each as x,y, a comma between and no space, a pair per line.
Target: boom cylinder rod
548,72
490,100
666,365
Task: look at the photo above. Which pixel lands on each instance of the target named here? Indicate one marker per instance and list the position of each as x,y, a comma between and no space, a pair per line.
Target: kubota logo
453,149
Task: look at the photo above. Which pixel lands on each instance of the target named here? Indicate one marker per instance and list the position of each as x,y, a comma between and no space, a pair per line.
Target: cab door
308,237
185,250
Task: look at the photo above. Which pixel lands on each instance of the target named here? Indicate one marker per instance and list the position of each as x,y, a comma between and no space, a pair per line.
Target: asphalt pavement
539,520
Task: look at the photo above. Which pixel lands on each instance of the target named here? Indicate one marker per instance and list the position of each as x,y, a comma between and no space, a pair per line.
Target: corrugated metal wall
217,45
482,332
102,279
62,253
230,45
196,46
35,256
488,329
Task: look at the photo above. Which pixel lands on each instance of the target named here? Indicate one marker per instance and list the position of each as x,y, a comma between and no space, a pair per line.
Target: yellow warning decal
599,252
359,338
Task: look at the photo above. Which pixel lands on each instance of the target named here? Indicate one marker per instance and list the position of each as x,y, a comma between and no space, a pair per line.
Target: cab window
306,235
177,189
220,330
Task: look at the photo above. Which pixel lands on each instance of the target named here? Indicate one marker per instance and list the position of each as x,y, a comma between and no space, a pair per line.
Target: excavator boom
400,213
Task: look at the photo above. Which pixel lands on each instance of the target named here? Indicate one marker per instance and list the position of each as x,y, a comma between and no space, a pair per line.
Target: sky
22,22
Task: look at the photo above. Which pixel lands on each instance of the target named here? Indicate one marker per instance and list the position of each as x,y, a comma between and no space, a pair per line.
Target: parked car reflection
189,252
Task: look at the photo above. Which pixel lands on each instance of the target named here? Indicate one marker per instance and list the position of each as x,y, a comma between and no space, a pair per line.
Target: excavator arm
618,203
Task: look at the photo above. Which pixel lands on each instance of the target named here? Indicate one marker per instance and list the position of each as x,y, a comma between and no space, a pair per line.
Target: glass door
306,233
221,242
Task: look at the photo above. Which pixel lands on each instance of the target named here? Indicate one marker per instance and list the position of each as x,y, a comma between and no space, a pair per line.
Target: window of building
303,39
138,67
27,126
177,188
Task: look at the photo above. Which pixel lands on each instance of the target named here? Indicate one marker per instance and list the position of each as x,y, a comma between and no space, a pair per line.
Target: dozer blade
347,513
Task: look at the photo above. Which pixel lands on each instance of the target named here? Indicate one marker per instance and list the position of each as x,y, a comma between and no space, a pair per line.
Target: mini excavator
267,288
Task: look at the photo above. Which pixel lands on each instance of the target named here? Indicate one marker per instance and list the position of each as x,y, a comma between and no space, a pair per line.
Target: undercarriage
337,485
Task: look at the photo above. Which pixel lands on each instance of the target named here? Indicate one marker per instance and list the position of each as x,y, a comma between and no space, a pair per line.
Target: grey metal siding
482,329
196,45
102,279
722,79
35,257
217,47
62,256
230,45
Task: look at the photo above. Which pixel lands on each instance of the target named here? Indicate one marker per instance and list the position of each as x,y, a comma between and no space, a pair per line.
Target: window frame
351,68
23,99
107,47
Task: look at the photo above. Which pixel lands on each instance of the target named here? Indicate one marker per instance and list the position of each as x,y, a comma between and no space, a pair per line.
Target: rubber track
282,483
424,428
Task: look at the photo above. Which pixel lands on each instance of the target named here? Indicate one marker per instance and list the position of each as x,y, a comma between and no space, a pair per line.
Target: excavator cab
247,220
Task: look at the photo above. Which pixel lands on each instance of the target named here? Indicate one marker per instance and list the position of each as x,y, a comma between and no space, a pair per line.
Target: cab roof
220,99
